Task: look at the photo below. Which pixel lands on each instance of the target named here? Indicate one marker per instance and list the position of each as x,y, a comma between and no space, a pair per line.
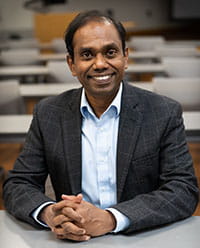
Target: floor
9,152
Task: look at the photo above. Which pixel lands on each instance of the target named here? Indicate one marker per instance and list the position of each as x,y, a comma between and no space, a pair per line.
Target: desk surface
182,234
145,68
43,70
62,56
23,70
44,90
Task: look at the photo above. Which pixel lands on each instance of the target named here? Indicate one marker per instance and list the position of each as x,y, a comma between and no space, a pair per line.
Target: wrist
43,216
111,221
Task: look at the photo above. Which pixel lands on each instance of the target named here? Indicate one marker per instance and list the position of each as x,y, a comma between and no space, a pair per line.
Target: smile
102,77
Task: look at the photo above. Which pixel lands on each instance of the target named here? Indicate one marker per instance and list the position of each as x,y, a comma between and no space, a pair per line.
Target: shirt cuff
36,213
122,221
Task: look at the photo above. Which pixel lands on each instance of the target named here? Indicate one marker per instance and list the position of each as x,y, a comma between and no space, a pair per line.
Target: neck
99,105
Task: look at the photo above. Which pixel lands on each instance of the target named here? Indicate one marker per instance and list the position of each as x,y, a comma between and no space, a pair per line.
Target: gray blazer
155,178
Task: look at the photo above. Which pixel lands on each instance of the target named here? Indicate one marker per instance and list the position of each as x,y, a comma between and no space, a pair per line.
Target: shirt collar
85,107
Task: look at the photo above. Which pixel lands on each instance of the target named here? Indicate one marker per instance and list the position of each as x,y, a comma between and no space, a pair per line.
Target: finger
76,199
68,227
72,215
74,237
65,203
58,220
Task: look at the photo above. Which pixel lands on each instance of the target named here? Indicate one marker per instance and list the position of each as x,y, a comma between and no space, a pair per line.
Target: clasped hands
76,219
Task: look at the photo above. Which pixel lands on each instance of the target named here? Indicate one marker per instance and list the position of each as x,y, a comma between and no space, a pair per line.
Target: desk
44,70
133,55
52,56
182,234
44,90
13,128
23,70
192,125
145,68
143,55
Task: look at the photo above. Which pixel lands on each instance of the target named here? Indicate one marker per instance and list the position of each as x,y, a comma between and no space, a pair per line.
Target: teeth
102,77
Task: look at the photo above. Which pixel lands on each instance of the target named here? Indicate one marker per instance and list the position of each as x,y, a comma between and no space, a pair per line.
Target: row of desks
44,70
14,128
35,70
45,90
132,55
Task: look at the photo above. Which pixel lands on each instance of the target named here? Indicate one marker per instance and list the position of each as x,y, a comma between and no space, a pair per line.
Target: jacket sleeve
24,188
177,194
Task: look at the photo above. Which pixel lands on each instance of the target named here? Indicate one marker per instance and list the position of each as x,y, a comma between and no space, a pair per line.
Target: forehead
96,34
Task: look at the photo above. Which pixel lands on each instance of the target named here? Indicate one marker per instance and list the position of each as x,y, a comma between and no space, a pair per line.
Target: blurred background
163,37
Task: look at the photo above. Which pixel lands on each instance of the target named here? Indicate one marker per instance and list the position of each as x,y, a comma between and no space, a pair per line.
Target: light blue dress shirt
99,152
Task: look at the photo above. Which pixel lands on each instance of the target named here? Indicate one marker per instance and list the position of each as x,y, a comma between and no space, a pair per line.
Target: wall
145,13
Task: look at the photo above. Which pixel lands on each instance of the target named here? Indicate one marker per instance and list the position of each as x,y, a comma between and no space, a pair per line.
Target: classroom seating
175,51
184,90
59,72
58,45
145,43
181,66
20,57
11,101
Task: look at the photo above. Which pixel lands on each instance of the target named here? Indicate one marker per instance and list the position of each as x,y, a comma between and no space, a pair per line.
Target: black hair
82,19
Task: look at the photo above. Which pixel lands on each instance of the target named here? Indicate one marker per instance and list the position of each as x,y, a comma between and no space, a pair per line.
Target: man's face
99,61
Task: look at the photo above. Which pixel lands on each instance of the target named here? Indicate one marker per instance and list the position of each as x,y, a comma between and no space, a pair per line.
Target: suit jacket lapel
129,128
71,126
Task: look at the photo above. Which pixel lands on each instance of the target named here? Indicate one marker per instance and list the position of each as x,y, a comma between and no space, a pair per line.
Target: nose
100,62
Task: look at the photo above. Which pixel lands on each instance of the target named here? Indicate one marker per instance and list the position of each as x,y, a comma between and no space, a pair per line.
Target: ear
126,57
71,65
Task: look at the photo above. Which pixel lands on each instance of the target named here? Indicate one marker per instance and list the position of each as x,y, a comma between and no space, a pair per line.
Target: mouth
102,78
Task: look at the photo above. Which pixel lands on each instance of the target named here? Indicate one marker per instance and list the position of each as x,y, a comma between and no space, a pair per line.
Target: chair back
60,72
20,57
58,45
11,101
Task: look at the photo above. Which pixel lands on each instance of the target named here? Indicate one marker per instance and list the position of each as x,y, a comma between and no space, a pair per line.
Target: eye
86,55
111,53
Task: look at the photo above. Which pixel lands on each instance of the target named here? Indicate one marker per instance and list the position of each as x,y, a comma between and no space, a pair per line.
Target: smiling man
116,155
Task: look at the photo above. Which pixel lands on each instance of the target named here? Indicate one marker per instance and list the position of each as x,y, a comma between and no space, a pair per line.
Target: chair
60,72
11,102
20,57
146,43
182,67
58,45
184,90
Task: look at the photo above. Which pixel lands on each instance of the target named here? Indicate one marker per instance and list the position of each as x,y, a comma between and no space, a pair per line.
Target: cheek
120,63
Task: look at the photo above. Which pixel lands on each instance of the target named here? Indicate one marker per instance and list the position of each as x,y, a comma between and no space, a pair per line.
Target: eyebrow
107,46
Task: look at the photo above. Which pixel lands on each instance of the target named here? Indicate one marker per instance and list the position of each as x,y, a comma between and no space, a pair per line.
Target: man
117,155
